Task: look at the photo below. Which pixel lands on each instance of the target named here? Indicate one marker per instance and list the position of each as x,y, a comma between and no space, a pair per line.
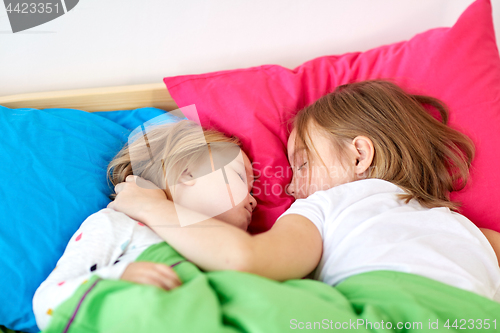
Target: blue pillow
53,170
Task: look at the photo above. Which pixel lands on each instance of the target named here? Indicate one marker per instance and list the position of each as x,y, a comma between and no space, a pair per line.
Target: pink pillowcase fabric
459,65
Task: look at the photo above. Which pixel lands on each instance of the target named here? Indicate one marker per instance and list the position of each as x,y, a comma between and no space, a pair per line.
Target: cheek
208,196
300,183
215,199
319,180
305,185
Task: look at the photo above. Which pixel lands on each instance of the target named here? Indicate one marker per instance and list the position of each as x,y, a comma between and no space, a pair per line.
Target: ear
364,155
187,178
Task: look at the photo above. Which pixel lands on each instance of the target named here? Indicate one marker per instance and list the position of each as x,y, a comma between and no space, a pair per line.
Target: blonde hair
413,150
164,152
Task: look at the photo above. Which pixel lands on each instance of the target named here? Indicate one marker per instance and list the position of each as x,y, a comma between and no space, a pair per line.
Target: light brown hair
413,149
164,152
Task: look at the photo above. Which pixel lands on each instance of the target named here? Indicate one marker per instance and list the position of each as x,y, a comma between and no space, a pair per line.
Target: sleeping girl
188,163
372,177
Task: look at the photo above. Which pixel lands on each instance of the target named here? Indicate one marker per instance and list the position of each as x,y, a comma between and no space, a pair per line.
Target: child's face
323,177
241,178
229,202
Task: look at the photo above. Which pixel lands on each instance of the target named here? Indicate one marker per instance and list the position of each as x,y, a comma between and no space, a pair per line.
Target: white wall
120,42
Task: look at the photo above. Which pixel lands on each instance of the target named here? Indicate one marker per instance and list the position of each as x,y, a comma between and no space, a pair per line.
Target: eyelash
251,191
301,166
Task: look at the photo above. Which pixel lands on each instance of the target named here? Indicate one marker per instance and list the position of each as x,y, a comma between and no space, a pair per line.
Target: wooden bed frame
96,99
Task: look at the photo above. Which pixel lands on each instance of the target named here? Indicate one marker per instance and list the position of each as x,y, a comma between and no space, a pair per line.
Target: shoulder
347,194
108,213
108,217
366,187
333,201
355,191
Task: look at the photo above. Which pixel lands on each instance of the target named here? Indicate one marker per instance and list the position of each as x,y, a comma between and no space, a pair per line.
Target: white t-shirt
365,227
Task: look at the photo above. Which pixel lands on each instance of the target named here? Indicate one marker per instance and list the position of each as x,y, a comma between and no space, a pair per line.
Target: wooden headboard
96,99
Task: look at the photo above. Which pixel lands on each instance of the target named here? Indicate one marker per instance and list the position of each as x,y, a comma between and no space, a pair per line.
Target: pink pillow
460,65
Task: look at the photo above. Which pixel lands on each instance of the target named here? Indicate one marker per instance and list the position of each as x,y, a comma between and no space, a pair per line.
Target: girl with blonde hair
372,175
179,158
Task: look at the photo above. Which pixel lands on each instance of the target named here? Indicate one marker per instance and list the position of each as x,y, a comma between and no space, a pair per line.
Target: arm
494,239
291,249
94,249
91,250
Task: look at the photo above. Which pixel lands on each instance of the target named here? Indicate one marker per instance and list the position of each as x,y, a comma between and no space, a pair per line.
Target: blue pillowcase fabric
53,171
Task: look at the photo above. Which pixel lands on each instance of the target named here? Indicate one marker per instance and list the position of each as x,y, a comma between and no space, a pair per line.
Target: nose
253,202
290,189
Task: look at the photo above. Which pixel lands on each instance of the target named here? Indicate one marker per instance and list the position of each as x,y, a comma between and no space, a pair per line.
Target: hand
136,196
158,275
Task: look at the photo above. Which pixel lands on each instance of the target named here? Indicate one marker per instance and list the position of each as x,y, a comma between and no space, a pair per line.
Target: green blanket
230,301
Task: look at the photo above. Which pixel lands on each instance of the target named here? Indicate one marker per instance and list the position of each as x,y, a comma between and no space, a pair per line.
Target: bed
96,99
77,131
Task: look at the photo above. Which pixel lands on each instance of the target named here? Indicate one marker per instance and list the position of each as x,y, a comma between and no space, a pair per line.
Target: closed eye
241,176
302,166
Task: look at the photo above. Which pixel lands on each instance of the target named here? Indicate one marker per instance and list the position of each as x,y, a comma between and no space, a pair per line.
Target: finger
164,283
119,187
153,274
169,273
167,276
141,182
131,178
150,275
169,284
150,280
